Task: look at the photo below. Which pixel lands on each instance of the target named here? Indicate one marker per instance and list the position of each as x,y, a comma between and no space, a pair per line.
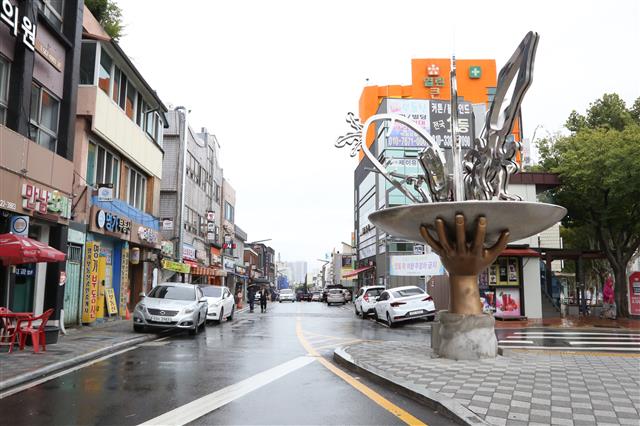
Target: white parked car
366,300
335,295
221,302
404,303
171,305
287,295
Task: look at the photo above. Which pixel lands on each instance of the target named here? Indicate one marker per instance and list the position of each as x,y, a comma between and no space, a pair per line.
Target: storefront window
4,88
45,109
87,62
500,287
104,76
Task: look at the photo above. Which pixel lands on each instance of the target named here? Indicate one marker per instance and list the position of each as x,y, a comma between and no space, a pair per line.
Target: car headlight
140,307
189,310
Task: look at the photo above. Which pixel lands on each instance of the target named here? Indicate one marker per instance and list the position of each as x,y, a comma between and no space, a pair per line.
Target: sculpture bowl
523,219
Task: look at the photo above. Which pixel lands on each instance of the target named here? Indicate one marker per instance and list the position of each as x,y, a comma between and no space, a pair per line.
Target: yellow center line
367,391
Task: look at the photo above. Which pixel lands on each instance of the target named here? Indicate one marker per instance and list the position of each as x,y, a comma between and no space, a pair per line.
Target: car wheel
233,310
281,301
362,314
389,322
193,331
375,315
139,328
357,313
219,320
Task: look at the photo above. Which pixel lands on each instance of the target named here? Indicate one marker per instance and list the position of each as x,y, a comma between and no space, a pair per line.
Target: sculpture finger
498,247
461,239
481,232
442,235
429,239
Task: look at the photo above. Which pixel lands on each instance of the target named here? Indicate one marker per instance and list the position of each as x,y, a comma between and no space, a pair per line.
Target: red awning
356,272
522,252
15,250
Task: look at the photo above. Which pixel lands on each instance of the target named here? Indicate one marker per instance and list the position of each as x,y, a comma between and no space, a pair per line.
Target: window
172,293
44,116
103,167
117,74
140,109
4,89
130,101
137,189
217,192
228,211
104,72
87,62
123,91
53,9
407,292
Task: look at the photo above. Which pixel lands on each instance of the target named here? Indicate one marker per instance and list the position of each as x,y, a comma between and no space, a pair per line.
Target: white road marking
574,333
573,349
606,343
208,403
530,342
615,338
62,373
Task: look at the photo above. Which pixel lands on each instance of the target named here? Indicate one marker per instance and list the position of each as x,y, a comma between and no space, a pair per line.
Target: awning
522,252
15,250
357,271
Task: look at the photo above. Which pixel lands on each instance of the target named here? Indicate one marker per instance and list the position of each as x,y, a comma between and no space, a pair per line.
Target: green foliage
610,112
109,14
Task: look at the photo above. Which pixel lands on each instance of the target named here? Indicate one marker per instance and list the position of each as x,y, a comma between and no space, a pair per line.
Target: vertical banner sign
124,279
102,272
634,293
90,292
110,299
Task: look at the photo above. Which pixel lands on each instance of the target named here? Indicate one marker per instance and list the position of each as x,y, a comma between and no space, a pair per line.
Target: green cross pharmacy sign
475,71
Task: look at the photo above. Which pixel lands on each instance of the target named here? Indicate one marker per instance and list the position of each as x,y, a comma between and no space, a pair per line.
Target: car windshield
173,293
286,291
375,292
211,291
407,292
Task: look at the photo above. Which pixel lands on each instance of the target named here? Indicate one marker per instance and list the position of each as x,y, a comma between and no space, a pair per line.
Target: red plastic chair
8,325
36,333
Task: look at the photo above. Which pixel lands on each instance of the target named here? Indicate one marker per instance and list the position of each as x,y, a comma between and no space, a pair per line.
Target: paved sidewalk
520,388
79,345
573,322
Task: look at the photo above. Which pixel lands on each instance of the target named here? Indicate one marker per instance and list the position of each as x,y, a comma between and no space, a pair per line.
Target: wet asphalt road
160,376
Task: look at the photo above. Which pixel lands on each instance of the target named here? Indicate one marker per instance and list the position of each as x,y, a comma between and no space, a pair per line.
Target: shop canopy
356,272
16,249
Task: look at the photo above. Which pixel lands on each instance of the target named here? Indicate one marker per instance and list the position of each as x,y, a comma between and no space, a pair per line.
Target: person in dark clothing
252,298
263,299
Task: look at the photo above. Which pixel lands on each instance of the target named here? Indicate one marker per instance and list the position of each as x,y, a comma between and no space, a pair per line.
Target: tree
598,168
109,14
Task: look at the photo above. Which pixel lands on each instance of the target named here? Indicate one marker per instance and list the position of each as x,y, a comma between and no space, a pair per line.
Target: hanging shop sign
111,222
90,291
175,266
110,299
105,192
416,265
9,14
229,265
241,270
188,252
166,248
45,202
167,224
148,235
48,55
124,278
135,256
634,293
211,216
20,225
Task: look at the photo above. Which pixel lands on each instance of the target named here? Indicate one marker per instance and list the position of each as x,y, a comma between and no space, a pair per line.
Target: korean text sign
90,291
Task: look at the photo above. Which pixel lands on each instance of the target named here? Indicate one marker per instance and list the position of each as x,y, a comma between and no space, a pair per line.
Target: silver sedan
171,305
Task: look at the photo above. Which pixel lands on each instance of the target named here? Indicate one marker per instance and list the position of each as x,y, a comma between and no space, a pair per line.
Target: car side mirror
142,294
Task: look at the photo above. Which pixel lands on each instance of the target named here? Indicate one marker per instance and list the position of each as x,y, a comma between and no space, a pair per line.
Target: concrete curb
72,362
443,404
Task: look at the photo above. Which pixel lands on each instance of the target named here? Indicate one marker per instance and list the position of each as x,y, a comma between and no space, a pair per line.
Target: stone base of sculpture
467,337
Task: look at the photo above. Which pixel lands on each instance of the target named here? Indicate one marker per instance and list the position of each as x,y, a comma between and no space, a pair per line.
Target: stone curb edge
445,405
72,362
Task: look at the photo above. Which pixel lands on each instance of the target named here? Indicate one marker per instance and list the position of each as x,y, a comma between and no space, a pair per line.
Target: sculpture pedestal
467,337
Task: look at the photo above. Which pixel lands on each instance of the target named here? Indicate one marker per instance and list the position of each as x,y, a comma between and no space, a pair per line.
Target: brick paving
81,341
523,387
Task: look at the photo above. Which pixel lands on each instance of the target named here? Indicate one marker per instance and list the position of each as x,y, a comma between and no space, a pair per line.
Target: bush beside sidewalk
521,388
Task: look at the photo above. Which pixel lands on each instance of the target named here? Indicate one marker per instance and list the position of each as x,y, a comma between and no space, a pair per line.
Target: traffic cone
127,315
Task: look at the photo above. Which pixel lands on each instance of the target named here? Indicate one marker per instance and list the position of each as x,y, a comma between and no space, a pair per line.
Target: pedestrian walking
263,300
609,303
252,298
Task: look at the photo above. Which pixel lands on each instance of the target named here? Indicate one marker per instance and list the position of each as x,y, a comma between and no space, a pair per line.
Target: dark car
302,296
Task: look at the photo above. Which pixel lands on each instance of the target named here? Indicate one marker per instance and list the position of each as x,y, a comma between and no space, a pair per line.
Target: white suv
365,299
286,295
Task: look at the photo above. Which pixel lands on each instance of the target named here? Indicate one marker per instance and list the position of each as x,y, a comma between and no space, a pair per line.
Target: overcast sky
274,80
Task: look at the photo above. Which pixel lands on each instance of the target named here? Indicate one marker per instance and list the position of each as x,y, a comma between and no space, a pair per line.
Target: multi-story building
266,263
118,168
39,62
298,271
240,275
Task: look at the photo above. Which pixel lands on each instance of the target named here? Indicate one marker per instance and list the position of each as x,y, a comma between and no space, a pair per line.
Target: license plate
160,319
416,312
